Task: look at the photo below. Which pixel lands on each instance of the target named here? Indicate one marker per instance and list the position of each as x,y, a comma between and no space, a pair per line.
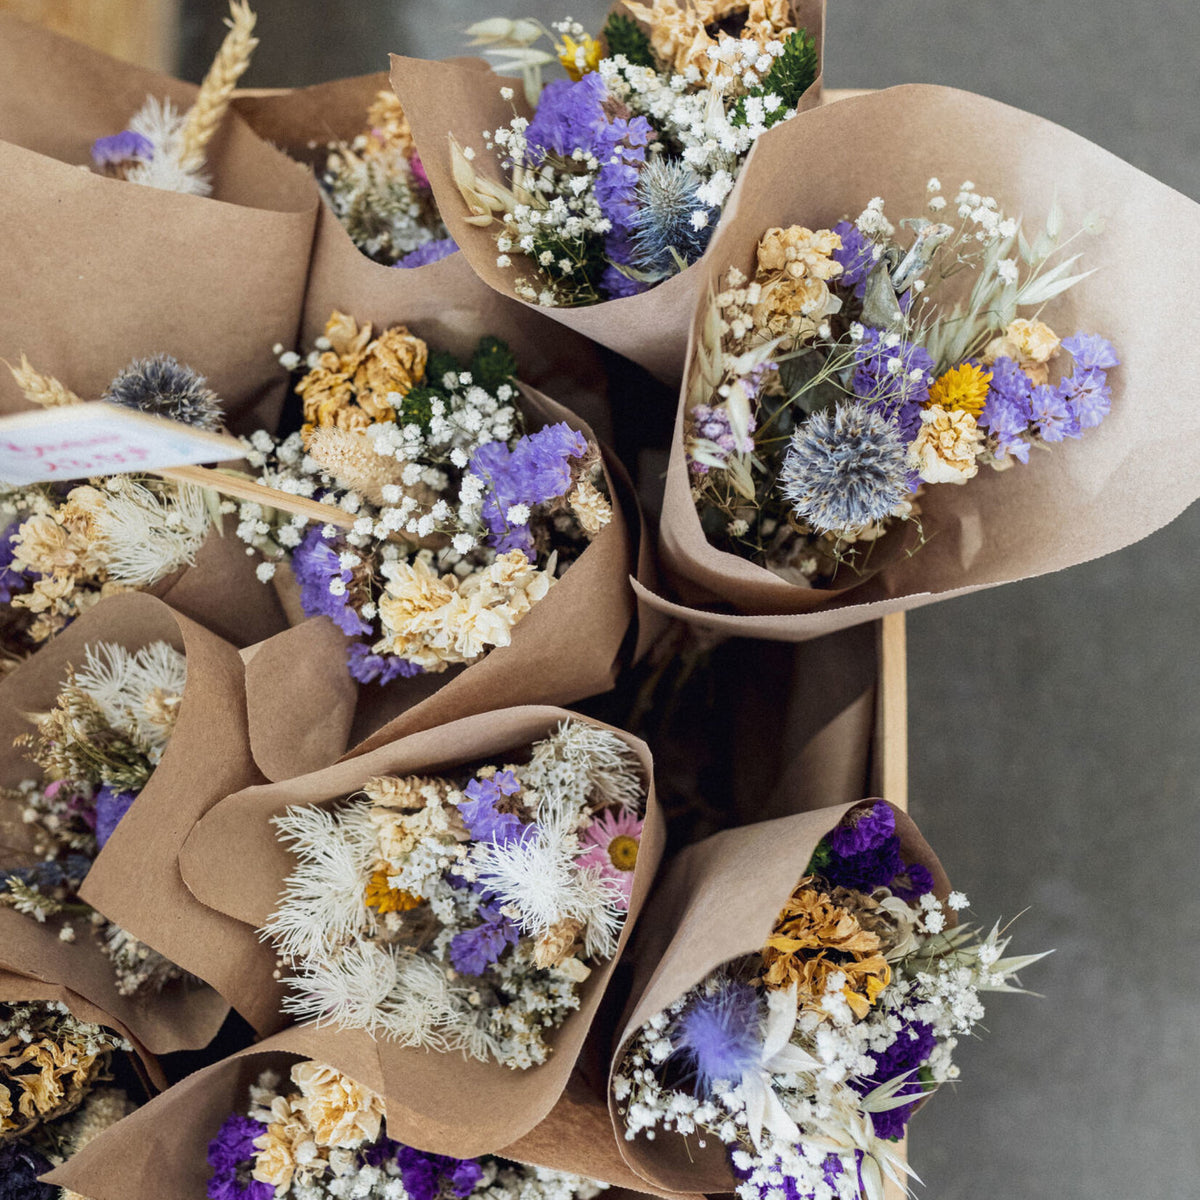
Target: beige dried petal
558,943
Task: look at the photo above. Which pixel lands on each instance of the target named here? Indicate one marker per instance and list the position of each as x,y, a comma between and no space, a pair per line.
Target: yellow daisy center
963,387
386,899
623,852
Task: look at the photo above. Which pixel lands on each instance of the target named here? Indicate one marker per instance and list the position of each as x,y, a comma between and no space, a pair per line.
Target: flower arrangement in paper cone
461,895
797,1064
845,370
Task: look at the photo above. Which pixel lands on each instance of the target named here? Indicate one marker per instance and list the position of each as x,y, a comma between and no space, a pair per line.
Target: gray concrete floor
1055,738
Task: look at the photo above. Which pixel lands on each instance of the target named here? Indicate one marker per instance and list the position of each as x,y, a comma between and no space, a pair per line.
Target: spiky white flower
145,533
161,123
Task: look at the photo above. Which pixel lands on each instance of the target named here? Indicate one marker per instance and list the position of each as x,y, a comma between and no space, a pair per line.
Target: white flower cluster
377,897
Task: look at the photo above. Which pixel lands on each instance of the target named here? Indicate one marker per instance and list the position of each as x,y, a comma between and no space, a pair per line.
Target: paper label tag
78,441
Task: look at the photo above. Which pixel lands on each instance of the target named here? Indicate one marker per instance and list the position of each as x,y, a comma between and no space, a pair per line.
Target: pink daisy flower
612,842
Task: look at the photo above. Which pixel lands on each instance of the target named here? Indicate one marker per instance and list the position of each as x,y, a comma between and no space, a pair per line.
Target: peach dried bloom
1031,344
799,252
389,127
340,1112
947,447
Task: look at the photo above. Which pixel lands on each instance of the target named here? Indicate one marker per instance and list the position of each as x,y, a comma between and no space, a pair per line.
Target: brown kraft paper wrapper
101,271
305,710
441,99
444,302
444,1103
160,1150
1115,485
131,870
717,902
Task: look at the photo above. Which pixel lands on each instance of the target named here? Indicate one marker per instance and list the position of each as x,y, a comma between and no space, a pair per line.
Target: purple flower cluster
571,116
864,853
121,147
20,1166
474,950
431,252
437,1176
367,667
12,580
719,1035
231,1156
831,1168
899,393
111,806
857,256
909,1052
315,564
1016,408
479,812
536,470
713,425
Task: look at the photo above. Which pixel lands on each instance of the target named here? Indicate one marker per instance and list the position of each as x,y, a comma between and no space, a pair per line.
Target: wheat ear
213,99
41,389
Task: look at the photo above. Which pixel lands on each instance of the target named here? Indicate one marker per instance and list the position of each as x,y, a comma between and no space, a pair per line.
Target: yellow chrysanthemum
580,58
963,388
385,899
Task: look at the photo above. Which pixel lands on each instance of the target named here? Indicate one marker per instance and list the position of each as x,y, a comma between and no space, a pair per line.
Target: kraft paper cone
101,271
302,702
717,902
136,874
159,1151
441,99
1117,484
444,302
233,862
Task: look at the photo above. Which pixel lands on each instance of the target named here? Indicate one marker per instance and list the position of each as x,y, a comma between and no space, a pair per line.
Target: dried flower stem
217,88
43,390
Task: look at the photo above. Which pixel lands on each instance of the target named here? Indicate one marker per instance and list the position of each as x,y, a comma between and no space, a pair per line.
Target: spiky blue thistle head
669,216
166,388
845,468
719,1034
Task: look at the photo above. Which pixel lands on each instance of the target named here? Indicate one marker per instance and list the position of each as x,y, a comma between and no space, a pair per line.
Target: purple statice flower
863,830
1052,413
912,883
315,564
111,806
382,1150
12,580
427,1176
1091,352
1008,411
909,1052
719,1035
569,117
857,256
898,393
536,470
431,252
474,950
1088,397
367,667
121,147
713,425
614,283
20,1166
231,1155
484,823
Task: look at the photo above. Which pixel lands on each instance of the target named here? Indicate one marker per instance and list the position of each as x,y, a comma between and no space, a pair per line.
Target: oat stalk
43,390
217,88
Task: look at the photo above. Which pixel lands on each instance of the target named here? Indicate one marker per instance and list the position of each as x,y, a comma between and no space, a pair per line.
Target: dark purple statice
857,256
20,1167
831,1168
719,1035
431,252
864,829
315,564
436,1176
111,806
367,667
898,394
231,1156
12,580
909,1052
479,811
536,470
122,147
863,853
474,950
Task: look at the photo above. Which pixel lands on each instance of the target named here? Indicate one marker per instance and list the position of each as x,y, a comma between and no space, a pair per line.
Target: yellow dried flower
947,447
591,509
275,1150
558,943
579,58
813,939
385,899
388,126
799,252
961,389
340,1112
1031,344
394,362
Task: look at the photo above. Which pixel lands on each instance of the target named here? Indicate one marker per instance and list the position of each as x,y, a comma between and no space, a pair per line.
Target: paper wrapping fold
1117,484
443,302
305,710
233,862
131,871
160,1150
441,99
717,902
100,271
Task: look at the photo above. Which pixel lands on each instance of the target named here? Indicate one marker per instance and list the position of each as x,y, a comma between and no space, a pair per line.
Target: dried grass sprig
43,390
228,67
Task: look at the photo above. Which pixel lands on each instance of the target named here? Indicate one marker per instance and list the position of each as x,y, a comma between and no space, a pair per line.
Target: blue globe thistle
666,203
163,387
845,468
